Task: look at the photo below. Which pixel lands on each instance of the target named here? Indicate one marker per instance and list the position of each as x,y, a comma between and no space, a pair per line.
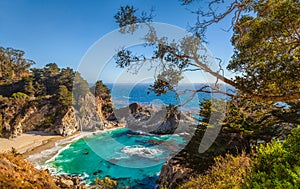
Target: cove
132,158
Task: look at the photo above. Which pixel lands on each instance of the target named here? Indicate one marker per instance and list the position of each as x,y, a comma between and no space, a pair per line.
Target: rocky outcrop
172,173
149,119
46,115
64,181
15,172
188,163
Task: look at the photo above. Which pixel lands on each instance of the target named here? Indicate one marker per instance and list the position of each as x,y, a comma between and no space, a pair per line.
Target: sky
64,31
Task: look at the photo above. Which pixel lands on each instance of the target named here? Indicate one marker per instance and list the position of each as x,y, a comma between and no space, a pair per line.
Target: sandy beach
34,142
30,142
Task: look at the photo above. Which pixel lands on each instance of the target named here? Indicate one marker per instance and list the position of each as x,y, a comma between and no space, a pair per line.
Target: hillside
51,99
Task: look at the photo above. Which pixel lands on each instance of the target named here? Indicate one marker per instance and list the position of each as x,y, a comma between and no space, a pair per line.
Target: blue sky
62,31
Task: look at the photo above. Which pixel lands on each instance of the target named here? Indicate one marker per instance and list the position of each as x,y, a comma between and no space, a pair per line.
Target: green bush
277,164
106,183
20,96
227,172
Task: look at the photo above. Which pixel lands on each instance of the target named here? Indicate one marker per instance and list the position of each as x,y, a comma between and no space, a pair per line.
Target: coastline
52,147
28,142
35,142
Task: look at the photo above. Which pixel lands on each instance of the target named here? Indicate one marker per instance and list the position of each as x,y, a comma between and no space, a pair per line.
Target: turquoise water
134,159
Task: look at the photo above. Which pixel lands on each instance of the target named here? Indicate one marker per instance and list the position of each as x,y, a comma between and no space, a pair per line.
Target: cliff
53,100
46,114
167,120
16,172
188,163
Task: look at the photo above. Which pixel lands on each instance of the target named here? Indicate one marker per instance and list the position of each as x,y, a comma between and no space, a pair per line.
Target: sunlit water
133,159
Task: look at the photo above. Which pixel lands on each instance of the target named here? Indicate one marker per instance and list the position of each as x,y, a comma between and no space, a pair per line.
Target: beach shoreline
27,142
35,142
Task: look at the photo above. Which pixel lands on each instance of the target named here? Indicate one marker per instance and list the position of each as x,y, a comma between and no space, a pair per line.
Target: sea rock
65,183
150,119
172,174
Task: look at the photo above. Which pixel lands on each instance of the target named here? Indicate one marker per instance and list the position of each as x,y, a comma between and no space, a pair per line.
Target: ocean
132,158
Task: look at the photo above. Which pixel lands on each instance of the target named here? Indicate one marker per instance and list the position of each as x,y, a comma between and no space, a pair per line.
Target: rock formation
46,115
189,162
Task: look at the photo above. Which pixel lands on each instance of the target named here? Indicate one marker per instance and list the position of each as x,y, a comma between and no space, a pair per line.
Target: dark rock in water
146,183
97,172
86,153
154,142
121,178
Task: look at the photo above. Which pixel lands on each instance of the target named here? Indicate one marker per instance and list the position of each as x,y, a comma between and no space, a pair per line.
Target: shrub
16,172
106,183
277,164
227,172
20,96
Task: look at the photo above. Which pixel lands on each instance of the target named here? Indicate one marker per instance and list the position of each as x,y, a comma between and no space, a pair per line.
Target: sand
29,142
34,142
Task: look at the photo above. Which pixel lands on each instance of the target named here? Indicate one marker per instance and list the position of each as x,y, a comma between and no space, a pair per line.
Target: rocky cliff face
173,173
45,115
149,119
189,162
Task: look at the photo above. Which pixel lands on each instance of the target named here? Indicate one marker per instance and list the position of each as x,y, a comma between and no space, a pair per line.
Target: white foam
49,155
138,150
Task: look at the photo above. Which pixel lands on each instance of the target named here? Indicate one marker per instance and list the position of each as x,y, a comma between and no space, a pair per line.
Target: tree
266,47
51,72
101,90
66,77
266,58
13,65
64,97
80,87
266,50
265,61
28,86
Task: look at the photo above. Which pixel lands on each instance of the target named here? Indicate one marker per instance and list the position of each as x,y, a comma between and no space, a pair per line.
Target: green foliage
15,172
125,16
273,165
166,81
277,164
292,143
227,172
19,96
266,49
46,81
102,93
101,90
13,65
28,86
80,87
48,121
64,96
106,183
254,120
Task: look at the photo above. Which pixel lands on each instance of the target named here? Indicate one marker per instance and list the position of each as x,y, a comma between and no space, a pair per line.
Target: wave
140,151
41,159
